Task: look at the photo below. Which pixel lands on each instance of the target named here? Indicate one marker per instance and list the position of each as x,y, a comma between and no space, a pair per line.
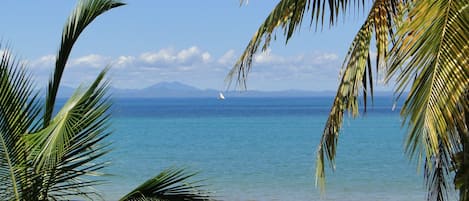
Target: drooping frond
461,178
461,159
63,151
288,14
18,111
431,59
85,12
170,185
357,73
437,174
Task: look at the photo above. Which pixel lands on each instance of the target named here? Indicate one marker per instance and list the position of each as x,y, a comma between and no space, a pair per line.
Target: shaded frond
85,12
170,185
461,159
18,110
437,174
288,14
461,178
357,74
431,59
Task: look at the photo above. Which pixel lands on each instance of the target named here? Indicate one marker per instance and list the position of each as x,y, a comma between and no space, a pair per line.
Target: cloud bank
195,66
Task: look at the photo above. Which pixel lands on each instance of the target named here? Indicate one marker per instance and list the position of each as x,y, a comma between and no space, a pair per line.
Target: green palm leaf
18,111
461,160
63,151
85,12
170,185
56,161
357,67
288,14
357,72
431,58
437,179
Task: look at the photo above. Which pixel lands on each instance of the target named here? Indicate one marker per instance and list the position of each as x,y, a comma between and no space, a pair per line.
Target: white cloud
163,55
200,68
46,61
92,60
187,54
170,57
228,58
124,61
266,57
324,58
206,57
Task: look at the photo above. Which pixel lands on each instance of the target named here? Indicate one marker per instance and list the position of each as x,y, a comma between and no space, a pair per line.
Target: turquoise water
260,148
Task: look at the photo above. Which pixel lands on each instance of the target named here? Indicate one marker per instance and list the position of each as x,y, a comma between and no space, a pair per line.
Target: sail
221,96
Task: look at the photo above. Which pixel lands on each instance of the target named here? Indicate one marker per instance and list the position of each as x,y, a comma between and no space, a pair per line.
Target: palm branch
431,59
18,111
287,15
62,152
357,72
171,184
53,161
357,69
86,11
461,161
54,157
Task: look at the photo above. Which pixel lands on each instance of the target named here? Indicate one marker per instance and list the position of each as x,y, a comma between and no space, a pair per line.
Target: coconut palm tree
424,46
53,155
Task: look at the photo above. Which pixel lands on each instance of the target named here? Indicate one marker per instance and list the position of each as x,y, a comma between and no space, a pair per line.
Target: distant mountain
164,90
180,90
171,86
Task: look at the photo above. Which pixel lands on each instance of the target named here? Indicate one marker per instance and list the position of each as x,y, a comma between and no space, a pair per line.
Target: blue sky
194,42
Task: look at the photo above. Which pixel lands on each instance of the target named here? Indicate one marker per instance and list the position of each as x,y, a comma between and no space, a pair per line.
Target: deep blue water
260,148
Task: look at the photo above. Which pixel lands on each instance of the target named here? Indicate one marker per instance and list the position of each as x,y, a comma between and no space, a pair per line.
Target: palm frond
170,185
85,12
78,127
430,58
461,159
461,177
437,173
357,72
53,161
63,151
288,14
18,110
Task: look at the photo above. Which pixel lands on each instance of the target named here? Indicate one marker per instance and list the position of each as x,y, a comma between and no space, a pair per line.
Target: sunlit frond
172,184
18,111
65,149
431,59
86,11
53,161
357,73
288,15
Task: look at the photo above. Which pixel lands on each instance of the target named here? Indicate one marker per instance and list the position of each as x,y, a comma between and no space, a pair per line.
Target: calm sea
260,148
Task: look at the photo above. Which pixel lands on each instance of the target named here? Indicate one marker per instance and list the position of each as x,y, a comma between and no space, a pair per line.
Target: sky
193,42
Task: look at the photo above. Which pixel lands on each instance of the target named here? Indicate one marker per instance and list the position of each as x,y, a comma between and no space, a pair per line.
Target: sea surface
261,148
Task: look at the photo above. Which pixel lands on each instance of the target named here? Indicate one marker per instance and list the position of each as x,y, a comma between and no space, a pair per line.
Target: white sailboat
221,96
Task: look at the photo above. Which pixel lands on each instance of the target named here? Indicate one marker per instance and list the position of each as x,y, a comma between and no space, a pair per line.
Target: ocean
260,148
